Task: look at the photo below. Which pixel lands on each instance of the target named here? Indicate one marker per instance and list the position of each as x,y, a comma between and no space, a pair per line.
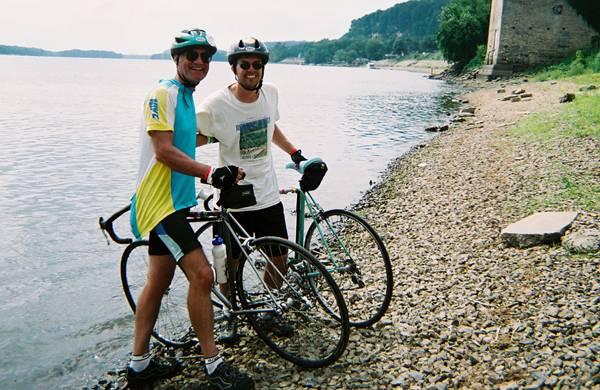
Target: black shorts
173,236
265,222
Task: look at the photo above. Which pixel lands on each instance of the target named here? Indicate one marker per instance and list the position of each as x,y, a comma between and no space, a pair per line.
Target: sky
148,26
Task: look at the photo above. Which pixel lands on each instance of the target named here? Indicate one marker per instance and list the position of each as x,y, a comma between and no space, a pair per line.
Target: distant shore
420,66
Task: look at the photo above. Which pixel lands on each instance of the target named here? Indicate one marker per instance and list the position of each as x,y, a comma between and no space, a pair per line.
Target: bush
463,28
479,58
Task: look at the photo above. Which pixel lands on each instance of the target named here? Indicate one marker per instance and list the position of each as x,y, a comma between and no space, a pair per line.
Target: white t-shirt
245,132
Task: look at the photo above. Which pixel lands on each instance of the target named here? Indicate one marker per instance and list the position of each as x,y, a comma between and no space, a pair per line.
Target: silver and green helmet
192,37
247,46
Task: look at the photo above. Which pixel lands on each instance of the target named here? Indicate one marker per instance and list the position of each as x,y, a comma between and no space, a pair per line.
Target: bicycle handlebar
107,226
303,164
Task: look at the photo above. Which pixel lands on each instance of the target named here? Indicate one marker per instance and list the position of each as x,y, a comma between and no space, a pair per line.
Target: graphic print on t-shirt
253,139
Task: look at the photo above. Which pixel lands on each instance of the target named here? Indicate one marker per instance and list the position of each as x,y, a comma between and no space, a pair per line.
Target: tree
399,46
344,56
375,49
463,27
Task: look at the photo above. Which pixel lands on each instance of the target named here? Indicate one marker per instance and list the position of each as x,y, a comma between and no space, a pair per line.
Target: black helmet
247,46
193,37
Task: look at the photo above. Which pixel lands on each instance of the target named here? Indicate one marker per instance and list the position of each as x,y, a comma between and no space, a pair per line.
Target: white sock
139,363
212,363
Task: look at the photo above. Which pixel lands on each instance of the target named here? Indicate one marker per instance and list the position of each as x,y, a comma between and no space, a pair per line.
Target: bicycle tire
362,267
318,338
172,326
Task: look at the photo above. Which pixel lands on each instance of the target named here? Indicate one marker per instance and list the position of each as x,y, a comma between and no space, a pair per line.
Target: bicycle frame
306,201
223,218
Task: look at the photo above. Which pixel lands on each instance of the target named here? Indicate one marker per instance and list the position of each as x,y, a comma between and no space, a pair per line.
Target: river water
68,155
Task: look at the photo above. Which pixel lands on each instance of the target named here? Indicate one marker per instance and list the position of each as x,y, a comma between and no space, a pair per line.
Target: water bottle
219,254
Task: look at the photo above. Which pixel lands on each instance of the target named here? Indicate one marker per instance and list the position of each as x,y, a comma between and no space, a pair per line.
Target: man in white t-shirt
242,117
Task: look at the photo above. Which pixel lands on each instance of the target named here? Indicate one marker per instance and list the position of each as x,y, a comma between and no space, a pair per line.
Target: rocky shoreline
467,310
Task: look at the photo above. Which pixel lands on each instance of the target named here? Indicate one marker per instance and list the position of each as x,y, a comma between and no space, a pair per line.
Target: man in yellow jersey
164,194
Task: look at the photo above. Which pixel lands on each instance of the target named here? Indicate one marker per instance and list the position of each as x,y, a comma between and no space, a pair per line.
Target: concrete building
525,33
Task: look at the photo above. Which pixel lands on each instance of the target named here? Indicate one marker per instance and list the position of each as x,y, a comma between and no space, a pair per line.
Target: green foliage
463,28
478,60
375,48
584,61
31,51
23,51
401,30
414,18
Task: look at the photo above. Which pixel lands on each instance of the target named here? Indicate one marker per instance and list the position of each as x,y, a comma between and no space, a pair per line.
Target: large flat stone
538,229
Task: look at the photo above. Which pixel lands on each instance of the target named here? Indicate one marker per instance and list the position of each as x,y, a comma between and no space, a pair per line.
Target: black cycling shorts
173,236
265,222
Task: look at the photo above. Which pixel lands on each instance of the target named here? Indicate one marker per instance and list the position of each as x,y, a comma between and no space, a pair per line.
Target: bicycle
321,324
348,246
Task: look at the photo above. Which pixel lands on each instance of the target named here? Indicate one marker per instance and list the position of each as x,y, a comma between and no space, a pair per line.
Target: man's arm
201,140
204,127
281,140
168,154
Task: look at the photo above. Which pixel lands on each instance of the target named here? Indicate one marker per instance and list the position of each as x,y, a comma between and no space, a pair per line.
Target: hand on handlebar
297,157
225,177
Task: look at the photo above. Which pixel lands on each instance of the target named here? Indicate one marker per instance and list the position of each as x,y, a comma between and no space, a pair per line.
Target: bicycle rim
173,324
357,259
318,336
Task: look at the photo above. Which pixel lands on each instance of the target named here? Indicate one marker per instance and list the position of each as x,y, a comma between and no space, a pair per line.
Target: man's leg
200,276
273,275
160,273
271,222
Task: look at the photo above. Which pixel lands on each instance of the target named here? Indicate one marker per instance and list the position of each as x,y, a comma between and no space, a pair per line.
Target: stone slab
537,229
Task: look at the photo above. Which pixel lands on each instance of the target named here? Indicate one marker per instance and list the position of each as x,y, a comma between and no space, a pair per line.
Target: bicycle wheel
173,323
317,337
356,257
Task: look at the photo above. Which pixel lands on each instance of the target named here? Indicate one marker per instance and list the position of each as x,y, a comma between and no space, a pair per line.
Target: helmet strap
258,86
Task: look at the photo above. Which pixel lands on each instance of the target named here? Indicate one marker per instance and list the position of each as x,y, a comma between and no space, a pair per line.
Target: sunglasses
257,65
192,55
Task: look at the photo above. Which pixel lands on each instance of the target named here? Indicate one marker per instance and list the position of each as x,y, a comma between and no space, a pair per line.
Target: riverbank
431,67
467,311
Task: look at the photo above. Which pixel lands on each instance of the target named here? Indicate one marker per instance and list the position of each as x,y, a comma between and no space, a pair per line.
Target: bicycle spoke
357,259
313,336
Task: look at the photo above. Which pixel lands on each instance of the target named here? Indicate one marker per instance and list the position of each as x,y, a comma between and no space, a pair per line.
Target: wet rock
435,129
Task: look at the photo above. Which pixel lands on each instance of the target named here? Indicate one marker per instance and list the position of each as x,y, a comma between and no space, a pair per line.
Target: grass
578,119
585,63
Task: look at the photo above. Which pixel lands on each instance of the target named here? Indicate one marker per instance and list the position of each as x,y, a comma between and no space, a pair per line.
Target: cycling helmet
193,37
247,46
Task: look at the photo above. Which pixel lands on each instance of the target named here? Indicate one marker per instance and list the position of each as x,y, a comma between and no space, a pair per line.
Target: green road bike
348,247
